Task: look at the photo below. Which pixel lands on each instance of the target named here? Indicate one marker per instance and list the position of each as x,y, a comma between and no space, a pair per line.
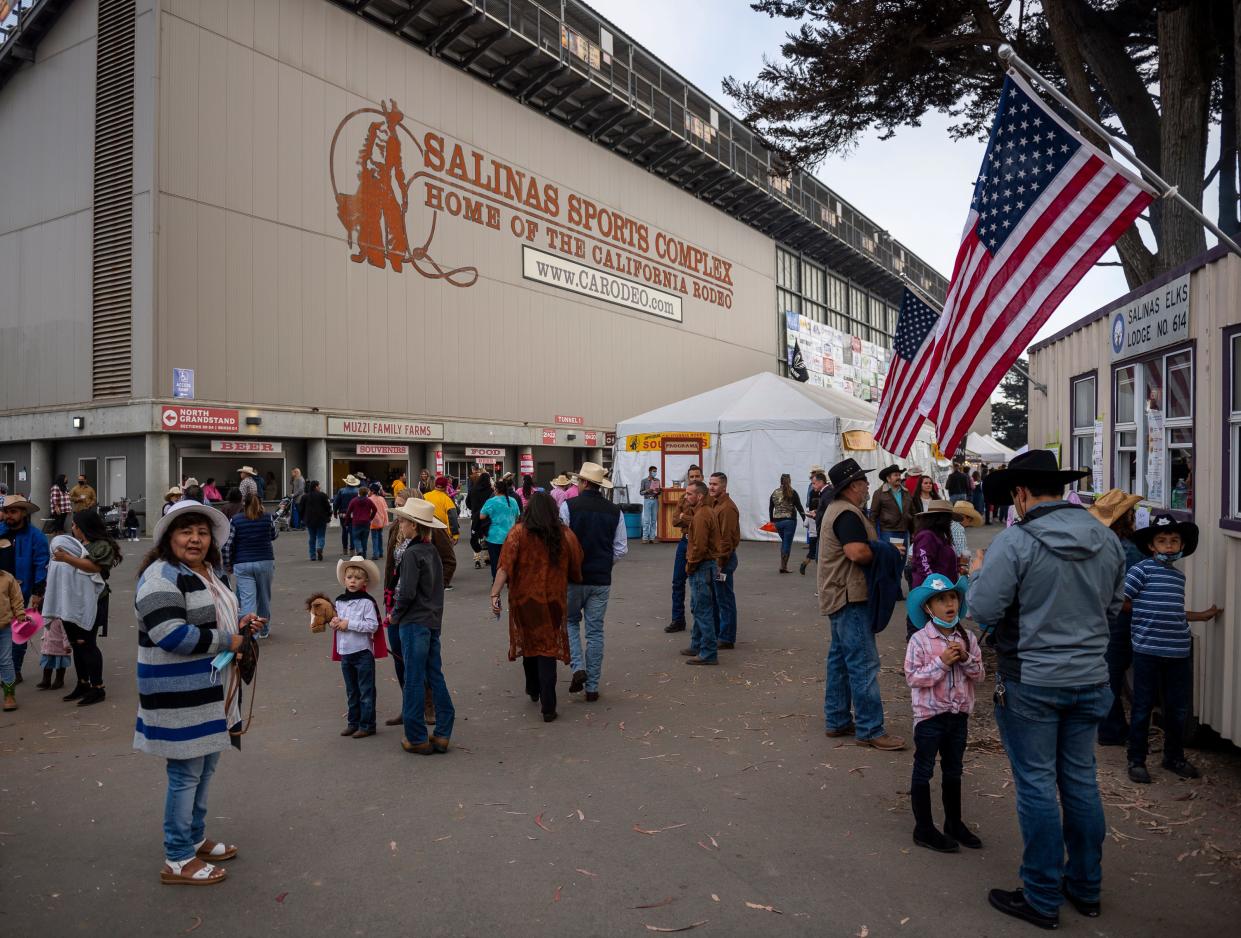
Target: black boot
954,827
47,679
60,679
925,832
784,563
93,695
78,691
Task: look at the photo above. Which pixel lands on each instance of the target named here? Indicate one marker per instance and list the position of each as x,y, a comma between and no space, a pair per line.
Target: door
116,488
544,472
8,475
90,469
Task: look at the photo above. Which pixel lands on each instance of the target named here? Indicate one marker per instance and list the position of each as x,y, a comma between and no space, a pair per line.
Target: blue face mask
1170,558
946,624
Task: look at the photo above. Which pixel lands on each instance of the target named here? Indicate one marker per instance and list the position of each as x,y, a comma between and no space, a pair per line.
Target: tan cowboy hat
191,482
420,512
19,501
593,472
248,470
562,479
1113,505
372,571
967,514
351,479
174,490
938,506
817,469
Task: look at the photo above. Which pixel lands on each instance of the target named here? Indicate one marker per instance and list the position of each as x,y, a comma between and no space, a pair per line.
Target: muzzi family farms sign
383,165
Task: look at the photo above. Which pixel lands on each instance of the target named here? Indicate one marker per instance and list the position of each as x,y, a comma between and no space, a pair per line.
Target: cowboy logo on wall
374,215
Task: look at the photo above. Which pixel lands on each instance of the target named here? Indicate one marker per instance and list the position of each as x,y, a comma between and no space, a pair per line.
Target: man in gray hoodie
1050,585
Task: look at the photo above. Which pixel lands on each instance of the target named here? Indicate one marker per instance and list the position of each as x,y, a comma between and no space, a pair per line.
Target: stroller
283,512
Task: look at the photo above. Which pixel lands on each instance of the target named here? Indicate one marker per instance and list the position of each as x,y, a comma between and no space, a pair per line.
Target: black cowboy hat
1038,466
1166,524
845,473
884,473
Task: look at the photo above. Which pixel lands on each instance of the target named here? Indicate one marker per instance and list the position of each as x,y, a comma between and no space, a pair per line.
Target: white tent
754,430
988,448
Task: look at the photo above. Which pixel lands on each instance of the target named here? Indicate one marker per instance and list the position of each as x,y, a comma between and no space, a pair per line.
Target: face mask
1169,558
945,624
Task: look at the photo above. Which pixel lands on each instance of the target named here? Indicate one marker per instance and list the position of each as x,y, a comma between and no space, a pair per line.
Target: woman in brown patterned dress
540,557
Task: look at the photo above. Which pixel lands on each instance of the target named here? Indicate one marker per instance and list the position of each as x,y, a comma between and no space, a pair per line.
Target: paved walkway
683,796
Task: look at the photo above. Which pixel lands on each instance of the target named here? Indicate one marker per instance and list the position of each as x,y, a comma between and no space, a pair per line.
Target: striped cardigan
180,708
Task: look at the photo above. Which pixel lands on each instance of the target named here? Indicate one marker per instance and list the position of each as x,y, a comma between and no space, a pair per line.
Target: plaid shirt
60,501
935,688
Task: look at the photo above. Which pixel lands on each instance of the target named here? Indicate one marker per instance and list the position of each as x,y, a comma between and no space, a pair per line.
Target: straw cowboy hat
817,468
562,480
420,512
372,571
1113,505
967,514
220,528
20,501
938,506
1038,466
593,472
1166,524
351,479
248,471
191,482
174,490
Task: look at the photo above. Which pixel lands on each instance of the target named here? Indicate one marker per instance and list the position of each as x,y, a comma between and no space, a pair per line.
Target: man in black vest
600,528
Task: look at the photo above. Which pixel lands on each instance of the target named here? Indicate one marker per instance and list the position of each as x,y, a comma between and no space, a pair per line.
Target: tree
854,65
1010,416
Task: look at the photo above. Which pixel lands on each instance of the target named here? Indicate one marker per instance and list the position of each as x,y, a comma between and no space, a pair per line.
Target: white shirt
363,621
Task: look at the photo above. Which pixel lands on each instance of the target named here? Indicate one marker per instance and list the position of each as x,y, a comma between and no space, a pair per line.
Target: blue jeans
493,558
254,589
1049,733
787,529
853,674
704,640
295,516
1173,676
185,807
316,537
678,581
346,535
1114,730
650,519
589,602
19,654
420,646
726,602
377,543
358,668
361,534
8,674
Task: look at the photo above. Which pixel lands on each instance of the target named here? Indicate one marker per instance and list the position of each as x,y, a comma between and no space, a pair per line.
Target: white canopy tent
756,429
988,448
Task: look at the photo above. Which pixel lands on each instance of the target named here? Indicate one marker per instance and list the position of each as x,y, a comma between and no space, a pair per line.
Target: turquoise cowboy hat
933,585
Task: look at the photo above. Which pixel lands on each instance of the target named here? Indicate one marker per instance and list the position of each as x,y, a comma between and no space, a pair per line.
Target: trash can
633,520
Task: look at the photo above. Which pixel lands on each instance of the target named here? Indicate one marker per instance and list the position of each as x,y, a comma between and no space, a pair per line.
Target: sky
917,185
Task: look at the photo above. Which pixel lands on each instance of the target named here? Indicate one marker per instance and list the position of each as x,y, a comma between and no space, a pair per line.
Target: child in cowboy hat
357,641
1162,642
943,662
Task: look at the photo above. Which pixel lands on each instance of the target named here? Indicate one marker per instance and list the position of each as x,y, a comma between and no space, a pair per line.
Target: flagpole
1009,57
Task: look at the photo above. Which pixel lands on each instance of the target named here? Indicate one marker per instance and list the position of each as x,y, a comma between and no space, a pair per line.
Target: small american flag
1047,204
900,418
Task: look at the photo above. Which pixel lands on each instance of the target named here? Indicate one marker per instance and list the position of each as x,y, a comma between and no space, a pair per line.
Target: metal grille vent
112,270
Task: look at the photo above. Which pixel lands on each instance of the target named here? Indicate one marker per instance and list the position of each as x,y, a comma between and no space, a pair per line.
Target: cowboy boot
60,679
784,563
10,700
47,679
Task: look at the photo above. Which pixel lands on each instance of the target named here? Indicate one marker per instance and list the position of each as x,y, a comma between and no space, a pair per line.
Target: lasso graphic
373,215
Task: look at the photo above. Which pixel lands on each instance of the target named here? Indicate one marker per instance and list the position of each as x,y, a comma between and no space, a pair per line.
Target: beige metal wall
46,181
256,290
1213,574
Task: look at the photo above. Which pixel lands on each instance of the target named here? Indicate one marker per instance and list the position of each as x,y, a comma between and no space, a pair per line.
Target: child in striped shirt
1155,590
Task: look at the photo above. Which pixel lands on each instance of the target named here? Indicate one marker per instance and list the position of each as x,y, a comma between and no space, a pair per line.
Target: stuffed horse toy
322,611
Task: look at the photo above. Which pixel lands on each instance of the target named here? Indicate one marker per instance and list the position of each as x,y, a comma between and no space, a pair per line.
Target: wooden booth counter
669,499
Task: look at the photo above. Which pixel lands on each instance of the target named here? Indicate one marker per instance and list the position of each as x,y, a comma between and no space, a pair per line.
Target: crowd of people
1070,599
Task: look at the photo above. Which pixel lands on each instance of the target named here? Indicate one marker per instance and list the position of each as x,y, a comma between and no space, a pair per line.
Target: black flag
797,364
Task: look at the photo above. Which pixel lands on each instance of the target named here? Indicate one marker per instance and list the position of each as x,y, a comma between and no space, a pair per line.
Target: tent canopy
988,448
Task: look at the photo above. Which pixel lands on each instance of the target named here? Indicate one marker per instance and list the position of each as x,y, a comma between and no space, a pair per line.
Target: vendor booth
753,430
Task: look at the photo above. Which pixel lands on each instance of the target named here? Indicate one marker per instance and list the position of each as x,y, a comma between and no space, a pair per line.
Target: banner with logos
835,359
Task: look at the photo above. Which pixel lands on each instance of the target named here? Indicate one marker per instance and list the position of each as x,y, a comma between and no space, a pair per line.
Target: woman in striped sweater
186,616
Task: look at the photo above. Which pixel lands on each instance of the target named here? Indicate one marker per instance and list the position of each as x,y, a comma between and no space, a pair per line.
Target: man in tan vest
845,534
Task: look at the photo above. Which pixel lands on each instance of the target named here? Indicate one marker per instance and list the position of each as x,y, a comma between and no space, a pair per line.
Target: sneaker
1139,774
449,589
1088,909
1014,903
885,742
579,681
1182,768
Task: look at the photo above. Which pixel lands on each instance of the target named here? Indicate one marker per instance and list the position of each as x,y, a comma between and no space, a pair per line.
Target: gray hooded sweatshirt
1050,585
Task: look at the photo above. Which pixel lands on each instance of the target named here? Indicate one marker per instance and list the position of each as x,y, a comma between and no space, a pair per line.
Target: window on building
1081,455
1153,429
836,294
1233,488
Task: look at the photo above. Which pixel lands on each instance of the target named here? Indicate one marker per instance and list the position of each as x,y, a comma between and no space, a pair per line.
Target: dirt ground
684,797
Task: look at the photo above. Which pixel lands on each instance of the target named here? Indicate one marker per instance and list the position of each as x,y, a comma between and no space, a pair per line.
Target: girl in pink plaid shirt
943,662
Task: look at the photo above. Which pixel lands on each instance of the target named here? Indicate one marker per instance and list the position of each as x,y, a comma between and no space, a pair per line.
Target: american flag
900,418
1047,204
